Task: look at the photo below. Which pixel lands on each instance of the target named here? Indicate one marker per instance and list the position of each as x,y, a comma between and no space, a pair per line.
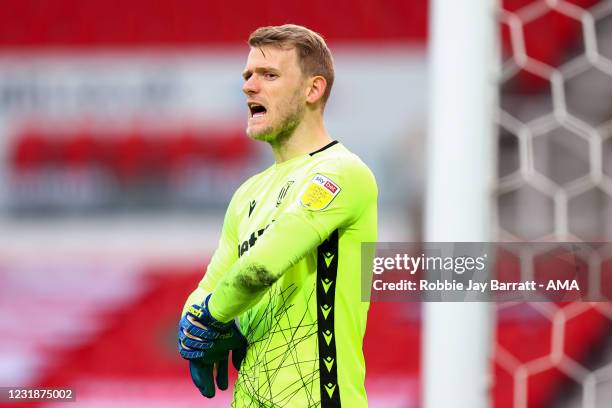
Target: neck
309,136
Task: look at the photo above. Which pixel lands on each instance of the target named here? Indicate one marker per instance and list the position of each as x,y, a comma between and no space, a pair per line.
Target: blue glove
206,343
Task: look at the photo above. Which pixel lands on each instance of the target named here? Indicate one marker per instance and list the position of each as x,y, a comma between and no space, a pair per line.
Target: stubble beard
276,135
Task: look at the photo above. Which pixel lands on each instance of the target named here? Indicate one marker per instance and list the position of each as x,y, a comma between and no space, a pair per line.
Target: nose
250,86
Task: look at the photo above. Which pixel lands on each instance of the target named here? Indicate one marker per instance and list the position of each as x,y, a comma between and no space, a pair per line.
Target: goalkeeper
288,261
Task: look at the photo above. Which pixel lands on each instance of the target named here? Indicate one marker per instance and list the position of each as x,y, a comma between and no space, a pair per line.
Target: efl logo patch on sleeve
319,193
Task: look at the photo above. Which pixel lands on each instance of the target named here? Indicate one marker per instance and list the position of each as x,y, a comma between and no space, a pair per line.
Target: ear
317,87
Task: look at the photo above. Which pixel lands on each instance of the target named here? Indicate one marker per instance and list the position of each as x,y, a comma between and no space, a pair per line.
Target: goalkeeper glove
206,342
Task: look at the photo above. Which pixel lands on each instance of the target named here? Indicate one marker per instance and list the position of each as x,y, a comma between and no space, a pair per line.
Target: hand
201,372
206,343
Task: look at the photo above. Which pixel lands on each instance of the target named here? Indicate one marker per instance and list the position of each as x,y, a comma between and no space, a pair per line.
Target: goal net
554,184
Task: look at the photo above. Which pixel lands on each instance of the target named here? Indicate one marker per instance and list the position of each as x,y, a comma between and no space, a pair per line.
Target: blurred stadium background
121,141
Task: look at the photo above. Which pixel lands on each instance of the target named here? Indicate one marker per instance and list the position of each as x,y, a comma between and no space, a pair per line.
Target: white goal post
463,49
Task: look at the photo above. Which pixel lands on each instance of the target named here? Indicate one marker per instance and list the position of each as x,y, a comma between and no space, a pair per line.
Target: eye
270,75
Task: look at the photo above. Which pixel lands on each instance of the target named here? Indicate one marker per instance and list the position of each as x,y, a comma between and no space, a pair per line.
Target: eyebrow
248,72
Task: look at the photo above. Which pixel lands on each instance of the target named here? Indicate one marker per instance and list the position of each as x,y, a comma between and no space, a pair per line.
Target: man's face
276,93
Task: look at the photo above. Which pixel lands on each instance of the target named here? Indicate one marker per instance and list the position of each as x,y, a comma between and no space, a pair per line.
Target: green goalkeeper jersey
288,264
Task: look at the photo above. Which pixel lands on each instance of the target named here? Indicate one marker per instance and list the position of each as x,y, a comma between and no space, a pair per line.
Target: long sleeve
331,198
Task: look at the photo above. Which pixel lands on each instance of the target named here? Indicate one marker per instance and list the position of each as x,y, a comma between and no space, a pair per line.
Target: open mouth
257,110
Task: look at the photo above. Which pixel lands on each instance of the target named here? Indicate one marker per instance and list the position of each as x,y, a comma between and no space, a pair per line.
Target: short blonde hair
314,56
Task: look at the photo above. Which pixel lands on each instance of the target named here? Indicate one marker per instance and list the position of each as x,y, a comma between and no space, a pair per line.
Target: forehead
284,58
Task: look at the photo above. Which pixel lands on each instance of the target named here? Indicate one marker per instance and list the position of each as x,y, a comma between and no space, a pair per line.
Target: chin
263,135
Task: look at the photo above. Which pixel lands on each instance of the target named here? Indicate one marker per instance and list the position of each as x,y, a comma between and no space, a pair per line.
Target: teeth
260,109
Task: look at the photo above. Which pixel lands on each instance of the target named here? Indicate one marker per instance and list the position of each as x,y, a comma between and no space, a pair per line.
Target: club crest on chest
283,192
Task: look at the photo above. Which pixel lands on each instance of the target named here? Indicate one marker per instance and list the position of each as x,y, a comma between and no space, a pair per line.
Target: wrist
210,305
